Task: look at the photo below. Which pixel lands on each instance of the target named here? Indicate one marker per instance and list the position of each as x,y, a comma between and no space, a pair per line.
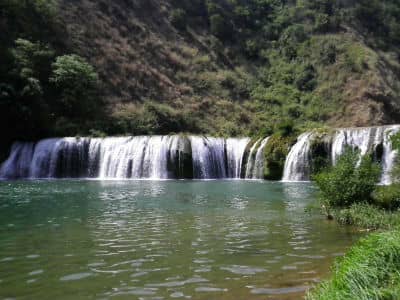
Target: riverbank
349,195
371,270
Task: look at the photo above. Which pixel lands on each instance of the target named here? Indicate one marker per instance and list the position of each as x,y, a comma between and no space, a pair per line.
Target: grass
367,216
371,270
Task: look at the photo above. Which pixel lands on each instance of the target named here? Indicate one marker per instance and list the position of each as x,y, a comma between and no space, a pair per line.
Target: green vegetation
367,216
320,151
275,154
265,62
349,192
78,86
350,181
387,197
42,91
201,66
369,271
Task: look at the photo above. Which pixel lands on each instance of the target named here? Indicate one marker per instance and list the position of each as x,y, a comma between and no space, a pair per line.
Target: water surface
163,240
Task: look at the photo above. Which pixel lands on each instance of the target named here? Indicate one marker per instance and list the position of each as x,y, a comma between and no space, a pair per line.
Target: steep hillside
222,67
143,59
250,63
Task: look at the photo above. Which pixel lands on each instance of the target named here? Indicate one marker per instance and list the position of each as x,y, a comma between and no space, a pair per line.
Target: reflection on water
162,240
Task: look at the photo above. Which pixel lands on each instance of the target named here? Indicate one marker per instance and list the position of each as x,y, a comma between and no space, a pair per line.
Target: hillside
217,67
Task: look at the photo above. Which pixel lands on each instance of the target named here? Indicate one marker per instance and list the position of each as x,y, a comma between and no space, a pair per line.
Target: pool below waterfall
88,239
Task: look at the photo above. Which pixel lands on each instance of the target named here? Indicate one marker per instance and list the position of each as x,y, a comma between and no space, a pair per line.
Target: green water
163,240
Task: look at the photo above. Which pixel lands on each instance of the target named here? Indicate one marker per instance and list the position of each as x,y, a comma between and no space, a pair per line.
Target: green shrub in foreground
349,181
371,270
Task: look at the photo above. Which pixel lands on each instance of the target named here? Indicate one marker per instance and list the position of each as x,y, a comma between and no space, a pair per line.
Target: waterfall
251,160
208,157
17,165
389,155
151,157
179,156
363,139
235,149
258,171
255,160
133,157
367,139
297,165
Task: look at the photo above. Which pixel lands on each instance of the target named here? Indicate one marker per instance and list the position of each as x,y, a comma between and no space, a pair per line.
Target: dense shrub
150,118
387,197
351,181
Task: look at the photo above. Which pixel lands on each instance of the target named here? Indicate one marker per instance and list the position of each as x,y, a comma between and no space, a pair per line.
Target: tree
32,60
77,83
23,103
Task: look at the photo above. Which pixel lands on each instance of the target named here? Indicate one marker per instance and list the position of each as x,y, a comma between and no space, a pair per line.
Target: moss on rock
275,154
320,151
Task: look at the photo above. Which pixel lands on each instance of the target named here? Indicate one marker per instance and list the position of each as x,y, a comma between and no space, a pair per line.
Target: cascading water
162,157
209,159
363,139
235,149
134,157
297,165
154,157
258,170
389,155
19,161
255,161
251,159
368,139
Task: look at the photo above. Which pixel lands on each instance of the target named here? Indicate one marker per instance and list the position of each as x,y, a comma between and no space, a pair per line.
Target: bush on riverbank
367,216
371,270
387,197
350,181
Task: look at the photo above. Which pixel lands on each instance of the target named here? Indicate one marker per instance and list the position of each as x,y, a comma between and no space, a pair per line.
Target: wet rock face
320,152
180,162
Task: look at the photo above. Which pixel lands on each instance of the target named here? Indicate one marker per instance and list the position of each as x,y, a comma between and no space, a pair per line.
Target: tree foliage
78,84
43,92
